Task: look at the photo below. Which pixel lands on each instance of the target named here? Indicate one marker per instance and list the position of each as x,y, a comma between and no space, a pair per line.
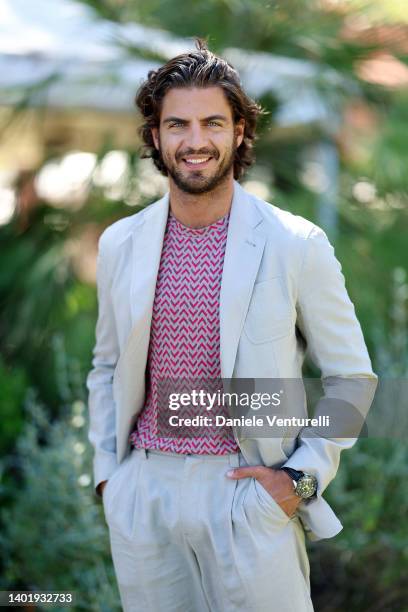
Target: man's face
197,138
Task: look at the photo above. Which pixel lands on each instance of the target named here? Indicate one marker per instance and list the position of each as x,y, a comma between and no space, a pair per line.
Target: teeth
197,161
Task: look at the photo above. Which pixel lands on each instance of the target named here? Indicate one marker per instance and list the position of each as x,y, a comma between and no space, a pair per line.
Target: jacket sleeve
335,343
101,433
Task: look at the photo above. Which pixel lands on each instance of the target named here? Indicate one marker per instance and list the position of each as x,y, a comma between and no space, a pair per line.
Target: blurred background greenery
333,75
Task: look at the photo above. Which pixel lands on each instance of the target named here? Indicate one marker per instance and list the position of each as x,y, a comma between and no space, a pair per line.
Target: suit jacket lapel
147,242
243,253
146,251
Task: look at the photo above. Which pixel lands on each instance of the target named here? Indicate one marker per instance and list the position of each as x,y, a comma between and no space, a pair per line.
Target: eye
176,124
214,123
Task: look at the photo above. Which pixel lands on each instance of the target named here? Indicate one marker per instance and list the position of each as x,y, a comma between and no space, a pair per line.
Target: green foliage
53,534
34,275
13,385
389,154
363,567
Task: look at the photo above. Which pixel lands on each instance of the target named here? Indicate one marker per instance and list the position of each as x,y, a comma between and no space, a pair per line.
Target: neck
200,210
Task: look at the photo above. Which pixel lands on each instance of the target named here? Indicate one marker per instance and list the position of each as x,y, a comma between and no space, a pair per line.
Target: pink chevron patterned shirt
185,340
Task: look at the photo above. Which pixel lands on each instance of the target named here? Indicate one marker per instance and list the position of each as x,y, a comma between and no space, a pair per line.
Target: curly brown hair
200,68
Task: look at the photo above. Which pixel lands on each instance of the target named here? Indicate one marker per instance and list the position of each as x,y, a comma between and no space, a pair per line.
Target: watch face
306,486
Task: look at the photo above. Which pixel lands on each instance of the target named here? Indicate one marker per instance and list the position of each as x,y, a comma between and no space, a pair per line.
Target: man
212,283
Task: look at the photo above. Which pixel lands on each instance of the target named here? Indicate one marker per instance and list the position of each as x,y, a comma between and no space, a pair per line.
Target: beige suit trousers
186,538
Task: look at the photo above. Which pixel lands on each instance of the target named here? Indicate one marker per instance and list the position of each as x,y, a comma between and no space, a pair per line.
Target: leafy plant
53,535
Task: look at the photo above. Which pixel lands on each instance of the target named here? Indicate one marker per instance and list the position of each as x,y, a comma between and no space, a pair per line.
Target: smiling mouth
197,162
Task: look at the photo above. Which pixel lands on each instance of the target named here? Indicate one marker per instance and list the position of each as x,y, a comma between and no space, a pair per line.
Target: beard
196,181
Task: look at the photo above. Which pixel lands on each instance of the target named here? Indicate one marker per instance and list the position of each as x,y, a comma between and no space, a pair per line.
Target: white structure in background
70,59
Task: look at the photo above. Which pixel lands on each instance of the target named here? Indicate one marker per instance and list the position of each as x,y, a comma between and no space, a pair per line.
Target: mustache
207,152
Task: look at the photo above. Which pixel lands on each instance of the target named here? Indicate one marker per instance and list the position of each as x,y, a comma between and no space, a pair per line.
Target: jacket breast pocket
269,314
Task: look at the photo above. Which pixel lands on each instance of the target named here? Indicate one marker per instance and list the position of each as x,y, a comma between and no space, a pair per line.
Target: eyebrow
210,118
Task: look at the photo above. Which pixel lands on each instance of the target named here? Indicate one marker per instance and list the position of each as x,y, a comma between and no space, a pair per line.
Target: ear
155,136
239,131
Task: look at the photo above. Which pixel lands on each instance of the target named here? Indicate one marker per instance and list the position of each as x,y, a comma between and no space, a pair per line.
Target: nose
196,138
